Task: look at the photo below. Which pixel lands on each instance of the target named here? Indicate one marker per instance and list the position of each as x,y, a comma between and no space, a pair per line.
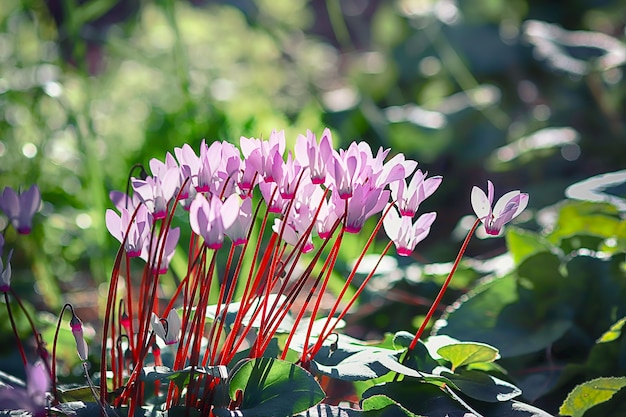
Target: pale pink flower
121,201
238,231
509,206
21,207
264,156
294,229
31,399
315,155
331,210
290,176
404,233
210,218
275,202
136,233
409,197
156,192
365,202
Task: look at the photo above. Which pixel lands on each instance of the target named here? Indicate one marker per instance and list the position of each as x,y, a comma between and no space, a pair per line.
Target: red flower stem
107,322
326,272
129,307
17,336
435,303
346,285
356,294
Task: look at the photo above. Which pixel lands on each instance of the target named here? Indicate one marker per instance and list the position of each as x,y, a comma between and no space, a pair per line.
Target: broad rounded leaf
465,353
589,394
271,387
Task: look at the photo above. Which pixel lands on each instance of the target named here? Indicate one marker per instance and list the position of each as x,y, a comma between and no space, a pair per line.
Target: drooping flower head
136,232
404,233
77,331
5,273
167,329
509,206
410,196
21,207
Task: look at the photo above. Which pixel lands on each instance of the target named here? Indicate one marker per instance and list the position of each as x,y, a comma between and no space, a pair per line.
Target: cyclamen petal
209,218
506,208
20,208
238,230
404,233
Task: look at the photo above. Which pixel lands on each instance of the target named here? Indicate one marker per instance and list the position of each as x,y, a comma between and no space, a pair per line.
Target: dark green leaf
494,314
417,397
482,386
271,387
82,393
381,405
350,360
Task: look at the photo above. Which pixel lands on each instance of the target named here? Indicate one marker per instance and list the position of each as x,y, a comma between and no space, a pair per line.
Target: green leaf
523,243
271,387
379,405
613,333
415,396
465,353
589,394
584,218
482,386
351,360
493,313
82,393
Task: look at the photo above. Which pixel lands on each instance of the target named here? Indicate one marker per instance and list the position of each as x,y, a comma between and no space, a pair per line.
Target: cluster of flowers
316,186
312,197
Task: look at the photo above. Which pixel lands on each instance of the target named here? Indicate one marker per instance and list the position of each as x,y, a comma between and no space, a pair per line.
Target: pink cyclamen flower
77,331
136,233
404,233
5,273
238,231
156,192
169,332
364,203
20,208
409,197
210,218
506,209
315,155
32,399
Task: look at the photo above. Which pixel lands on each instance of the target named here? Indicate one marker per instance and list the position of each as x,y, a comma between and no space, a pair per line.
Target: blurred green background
527,93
